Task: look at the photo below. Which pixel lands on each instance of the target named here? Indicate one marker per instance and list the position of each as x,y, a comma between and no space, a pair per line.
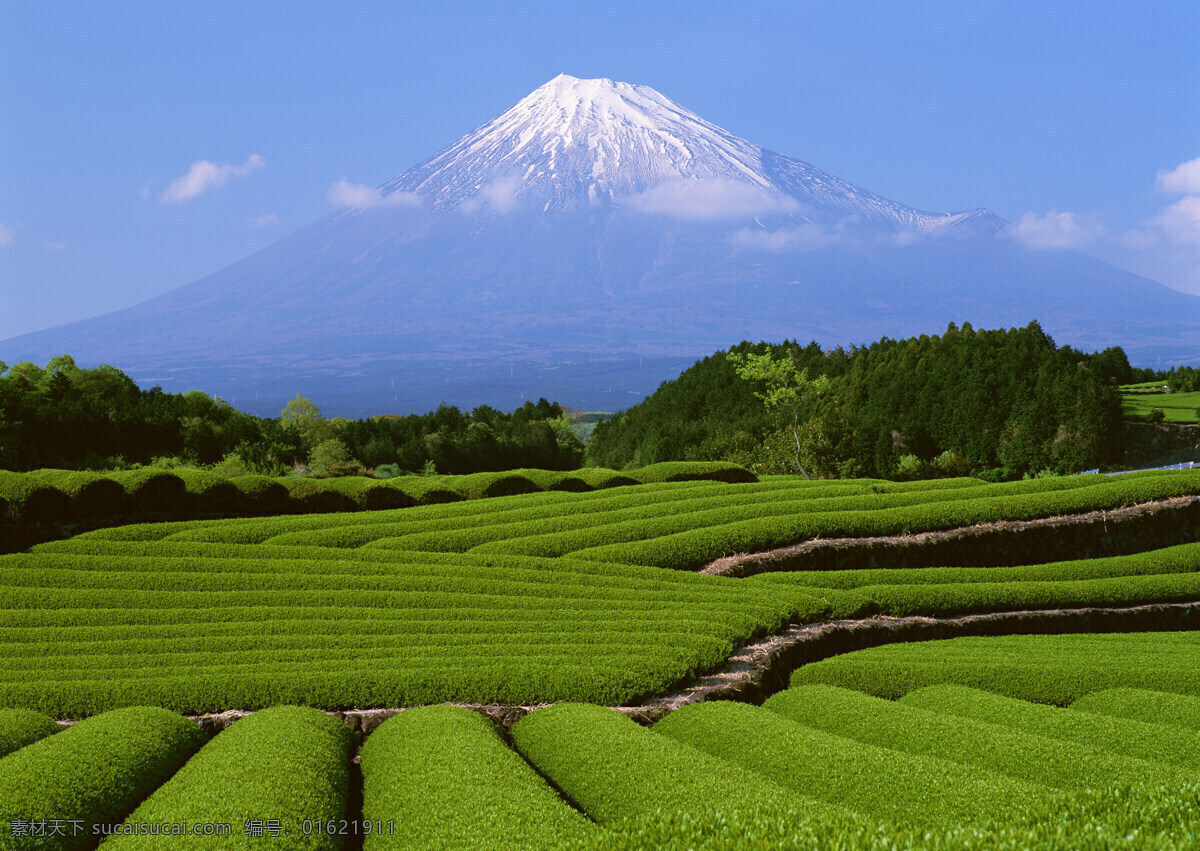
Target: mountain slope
587,244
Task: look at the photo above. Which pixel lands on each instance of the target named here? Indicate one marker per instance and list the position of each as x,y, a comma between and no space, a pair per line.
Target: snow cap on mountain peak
572,143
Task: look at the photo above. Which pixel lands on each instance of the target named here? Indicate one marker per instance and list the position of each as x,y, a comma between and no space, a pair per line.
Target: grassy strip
1123,736
443,778
1057,669
614,769
20,727
1183,558
872,780
94,772
914,730
1143,704
284,763
692,549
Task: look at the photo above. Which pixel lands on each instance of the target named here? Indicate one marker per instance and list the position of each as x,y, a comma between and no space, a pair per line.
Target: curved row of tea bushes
442,777
878,781
1145,704
1056,669
58,495
84,633
20,727
614,769
361,529
1113,819
94,773
1184,558
1121,736
697,547
286,764
913,730
523,539
432,533
976,597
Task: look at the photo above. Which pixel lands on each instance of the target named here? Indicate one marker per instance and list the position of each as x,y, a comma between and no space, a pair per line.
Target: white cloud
1055,230
361,197
500,195
1181,220
806,237
710,199
262,221
205,175
1184,179
7,235
52,247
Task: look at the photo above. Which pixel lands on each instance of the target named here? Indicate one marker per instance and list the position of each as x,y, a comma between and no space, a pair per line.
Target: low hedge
94,773
1056,669
877,781
1142,704
614,769
288,764
1123,736
912,729
29,499
21,727
442,777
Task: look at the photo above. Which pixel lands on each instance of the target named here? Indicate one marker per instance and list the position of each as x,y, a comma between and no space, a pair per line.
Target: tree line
996,403
68,417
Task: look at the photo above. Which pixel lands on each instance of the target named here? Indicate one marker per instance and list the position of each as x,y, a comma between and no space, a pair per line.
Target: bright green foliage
1056,669
96,772
913,730
1143,704
91,494
286,763
872,780
614,769
442,777
1122,736
1175,407
85,633
20,727
788,388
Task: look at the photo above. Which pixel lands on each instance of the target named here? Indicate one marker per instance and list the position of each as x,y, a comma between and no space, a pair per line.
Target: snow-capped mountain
585,245
574,143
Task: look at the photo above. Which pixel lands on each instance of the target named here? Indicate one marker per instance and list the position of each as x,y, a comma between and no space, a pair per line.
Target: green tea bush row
1145,704
613,769
1123,736
1109,819
94,773
84,633
877,781
1056,669
911,729
442,777
20,727
972,597
1178,559
53,495
739,507
286,764
692,549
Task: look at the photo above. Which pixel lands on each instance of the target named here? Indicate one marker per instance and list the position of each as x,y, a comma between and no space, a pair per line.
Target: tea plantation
566,602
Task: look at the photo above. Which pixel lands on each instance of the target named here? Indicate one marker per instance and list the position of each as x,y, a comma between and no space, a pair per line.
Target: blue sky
1077,121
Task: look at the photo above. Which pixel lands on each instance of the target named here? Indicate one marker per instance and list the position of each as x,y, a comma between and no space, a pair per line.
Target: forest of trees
1001,404
67,417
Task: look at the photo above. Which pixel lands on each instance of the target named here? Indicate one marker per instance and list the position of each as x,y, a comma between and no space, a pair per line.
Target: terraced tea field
599,598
